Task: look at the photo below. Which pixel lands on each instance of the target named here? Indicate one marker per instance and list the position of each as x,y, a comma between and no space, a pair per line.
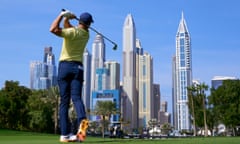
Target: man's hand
67,14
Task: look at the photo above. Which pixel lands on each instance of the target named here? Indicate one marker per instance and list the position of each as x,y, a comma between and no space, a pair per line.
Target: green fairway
15,137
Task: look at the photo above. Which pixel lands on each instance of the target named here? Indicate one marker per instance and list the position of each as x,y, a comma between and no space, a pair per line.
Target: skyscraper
182,77
164,117
144,84
87,78
48,56
49,62
114,74
104,79
36,68
98,58
97,62
129,95
107,88
157,98
43,75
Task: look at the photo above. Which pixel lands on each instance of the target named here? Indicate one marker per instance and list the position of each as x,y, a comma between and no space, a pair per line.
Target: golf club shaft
115,45
98,33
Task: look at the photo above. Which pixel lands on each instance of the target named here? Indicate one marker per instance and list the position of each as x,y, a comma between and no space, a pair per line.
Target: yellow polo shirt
74,43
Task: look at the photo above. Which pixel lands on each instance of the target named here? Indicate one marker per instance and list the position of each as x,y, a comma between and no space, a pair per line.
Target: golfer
70,70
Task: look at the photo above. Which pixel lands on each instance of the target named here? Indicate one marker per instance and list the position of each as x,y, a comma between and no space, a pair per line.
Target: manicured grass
15,137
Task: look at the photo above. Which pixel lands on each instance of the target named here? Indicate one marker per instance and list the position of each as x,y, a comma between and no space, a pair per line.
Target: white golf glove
67,14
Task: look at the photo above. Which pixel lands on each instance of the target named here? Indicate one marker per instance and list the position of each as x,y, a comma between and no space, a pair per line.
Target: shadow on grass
99,141
103,141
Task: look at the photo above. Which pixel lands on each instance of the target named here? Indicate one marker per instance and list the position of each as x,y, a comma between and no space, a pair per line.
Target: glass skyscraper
98,58
97,62
51,70
87,79
182,77
43,75
114,74
105,79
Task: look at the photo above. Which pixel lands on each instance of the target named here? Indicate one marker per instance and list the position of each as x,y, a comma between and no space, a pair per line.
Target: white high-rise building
98,58
129,94
97,63
114,74
182,77
87,78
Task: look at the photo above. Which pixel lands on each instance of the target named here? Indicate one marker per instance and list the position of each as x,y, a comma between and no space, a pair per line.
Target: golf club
91,28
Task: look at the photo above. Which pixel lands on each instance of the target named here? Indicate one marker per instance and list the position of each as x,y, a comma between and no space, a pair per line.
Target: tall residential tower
144,84
182,77
105,76
98,58
97,64
87,79
129,94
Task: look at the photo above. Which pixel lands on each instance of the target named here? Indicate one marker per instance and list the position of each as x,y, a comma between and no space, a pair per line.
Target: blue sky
213,26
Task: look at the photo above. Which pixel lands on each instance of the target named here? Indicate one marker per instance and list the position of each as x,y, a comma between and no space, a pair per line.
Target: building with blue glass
218,80
86,93
103,92
106,95
105,79
182,77
43,75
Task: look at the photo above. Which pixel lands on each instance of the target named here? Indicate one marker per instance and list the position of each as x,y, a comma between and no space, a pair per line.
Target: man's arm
66,23
55,29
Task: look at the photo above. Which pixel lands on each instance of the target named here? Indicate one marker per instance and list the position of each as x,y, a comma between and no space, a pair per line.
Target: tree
197,105
225,101
40,112
54,96
166,128
211,118
105,109
13,111
153,123
191,93
202,88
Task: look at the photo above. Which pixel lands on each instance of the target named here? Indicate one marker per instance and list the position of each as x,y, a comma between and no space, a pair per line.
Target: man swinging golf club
70,71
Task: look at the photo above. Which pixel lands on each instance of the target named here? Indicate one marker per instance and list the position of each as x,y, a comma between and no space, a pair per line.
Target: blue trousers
70,80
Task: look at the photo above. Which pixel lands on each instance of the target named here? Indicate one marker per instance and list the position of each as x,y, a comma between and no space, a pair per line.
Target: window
144,70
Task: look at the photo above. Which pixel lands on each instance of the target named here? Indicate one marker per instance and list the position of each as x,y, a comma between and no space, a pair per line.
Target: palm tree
191,92
197,98
105,109
54,95
203,88
153,123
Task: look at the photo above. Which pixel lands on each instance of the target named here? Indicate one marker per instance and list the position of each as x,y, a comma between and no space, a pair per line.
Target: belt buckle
80,67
